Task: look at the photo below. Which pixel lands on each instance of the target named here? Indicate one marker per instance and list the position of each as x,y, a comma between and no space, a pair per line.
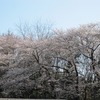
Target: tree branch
96,47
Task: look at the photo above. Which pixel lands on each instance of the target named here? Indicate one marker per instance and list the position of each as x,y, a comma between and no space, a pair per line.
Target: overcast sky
62,13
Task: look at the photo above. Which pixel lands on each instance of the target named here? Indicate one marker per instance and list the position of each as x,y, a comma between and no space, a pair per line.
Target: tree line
55,64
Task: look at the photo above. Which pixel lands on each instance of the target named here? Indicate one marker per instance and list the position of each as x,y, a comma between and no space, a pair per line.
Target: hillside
65,65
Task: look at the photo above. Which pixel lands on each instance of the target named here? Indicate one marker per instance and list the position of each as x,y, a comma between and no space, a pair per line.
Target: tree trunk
77,78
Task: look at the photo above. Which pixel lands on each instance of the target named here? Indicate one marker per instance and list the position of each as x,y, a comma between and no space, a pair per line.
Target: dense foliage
64,65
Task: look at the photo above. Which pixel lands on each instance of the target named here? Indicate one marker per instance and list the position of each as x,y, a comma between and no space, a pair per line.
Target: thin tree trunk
85,93
77,78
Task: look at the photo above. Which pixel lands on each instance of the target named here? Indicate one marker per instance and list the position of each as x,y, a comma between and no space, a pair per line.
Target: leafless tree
37,30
